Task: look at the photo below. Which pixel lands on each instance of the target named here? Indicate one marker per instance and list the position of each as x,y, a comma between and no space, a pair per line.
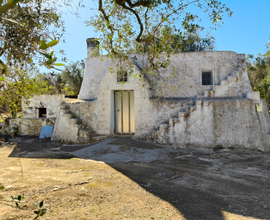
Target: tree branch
106,17
138,38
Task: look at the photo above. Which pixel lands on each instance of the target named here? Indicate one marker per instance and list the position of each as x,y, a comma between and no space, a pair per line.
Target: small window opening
207,78
42,112
121,76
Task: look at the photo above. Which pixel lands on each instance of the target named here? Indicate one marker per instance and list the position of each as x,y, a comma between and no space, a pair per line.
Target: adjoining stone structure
38,111
207,103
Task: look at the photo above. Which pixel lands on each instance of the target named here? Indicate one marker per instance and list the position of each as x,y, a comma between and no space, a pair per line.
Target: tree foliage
25,28
155,28
259,74
68,81
29,30
189,41
19,84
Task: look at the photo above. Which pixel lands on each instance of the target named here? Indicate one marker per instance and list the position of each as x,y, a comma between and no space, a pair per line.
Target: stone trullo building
209,102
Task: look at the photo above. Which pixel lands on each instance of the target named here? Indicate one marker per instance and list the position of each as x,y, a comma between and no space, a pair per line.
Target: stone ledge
254,95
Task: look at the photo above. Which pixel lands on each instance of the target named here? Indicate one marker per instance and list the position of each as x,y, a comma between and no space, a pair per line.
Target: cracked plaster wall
223,122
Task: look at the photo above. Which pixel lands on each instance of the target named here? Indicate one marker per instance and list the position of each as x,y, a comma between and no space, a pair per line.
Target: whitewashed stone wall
50,102
186,67
227,123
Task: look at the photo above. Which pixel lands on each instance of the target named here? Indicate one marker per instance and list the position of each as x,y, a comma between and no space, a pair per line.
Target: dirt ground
122,178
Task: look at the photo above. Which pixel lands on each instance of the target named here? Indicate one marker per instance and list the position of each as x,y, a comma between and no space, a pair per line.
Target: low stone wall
31,126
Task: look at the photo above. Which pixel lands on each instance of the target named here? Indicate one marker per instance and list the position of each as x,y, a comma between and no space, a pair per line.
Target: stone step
82,126
200,96
210,93
98,138
224,82
198,102
172,121
73,120
218,87
84,133
79,121
182,114
183,109
163,127
232,78
65,110
191,108
239,74
68,116
79,125
64,106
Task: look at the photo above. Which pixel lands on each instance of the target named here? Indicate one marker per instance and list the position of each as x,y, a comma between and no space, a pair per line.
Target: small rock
81,183
182,156
55,149
73,171
55,188
205,160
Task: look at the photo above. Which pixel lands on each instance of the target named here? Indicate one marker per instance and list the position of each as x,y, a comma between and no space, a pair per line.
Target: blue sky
247,31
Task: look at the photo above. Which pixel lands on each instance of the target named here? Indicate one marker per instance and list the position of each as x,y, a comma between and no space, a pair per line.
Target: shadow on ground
200,183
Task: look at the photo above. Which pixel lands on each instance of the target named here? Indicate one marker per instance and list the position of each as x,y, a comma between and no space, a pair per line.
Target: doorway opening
124,112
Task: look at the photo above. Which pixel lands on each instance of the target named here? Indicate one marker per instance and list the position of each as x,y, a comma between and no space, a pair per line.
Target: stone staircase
162,135
227,87
75,124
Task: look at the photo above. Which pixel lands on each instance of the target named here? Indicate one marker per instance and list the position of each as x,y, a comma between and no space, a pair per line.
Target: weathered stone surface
31,126
187,78
254,95
69,128
228,123
50,102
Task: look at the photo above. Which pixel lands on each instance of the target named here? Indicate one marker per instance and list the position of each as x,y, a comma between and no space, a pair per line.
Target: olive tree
155,28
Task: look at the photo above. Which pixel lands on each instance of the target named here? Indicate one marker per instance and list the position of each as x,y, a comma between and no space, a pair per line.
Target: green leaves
2,187
52,43
2,78
41,211
43,45
51,59
23,86
59,64
17,200
259,73
40,204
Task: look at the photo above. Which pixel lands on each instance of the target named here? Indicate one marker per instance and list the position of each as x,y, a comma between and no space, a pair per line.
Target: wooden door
124,112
